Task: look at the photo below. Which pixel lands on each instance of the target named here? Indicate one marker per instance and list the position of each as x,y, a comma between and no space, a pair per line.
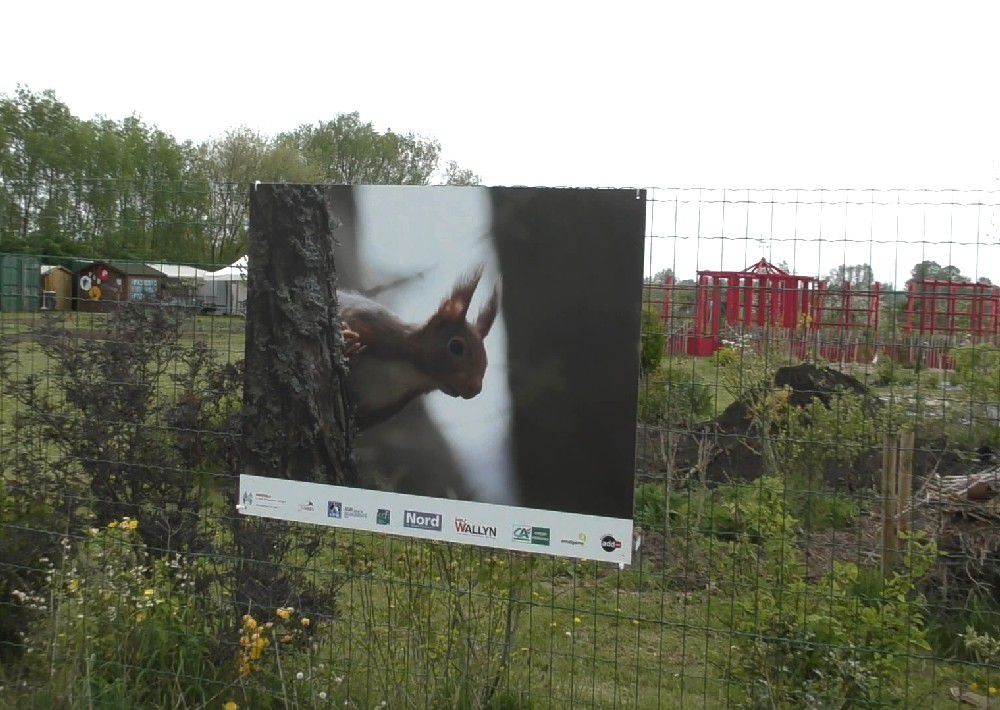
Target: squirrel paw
352,341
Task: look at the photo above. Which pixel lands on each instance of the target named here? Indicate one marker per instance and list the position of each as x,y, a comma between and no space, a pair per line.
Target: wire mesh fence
816,482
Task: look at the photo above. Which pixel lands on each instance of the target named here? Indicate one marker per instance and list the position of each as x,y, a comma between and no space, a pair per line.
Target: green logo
540,536
532,535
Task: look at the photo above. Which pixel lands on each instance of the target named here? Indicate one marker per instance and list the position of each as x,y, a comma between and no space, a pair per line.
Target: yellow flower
974,686
148,593
73,585
993,691
284,612
140,617
577,620
113,524
249,622
133,524
305,621
230,706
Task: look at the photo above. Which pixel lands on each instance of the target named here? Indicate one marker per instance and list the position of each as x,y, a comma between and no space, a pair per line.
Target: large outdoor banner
491,359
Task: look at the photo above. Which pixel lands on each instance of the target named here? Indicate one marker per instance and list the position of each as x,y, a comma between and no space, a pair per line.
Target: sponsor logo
350,512
336,509
382,517
308,507
578,541
422,521
248,498
540,536
609,543
532,535
464,527
264,500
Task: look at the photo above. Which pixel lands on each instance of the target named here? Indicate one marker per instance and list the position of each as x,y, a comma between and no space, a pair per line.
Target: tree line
124,189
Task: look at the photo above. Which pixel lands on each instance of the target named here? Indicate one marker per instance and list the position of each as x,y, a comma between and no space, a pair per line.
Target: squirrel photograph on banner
491,340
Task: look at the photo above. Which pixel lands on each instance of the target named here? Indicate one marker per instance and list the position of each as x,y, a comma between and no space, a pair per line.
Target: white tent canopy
223,290
179,271
226,288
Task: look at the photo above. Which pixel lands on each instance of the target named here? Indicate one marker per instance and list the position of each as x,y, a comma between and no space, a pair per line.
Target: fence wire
816,482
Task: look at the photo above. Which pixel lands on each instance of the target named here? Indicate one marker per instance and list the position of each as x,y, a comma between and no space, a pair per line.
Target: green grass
587,634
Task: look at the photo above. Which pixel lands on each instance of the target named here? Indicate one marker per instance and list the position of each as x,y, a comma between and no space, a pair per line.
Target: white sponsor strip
549,532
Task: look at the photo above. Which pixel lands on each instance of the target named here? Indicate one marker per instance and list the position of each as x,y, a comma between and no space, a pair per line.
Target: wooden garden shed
99,286
57,288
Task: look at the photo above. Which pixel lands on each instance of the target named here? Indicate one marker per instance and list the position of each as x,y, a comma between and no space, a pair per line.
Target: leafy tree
858,275
933,271
69,186
455,175
232,163
350,151
662,277
125,189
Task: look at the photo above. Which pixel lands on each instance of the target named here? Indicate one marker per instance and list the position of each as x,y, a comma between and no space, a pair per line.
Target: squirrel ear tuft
456,306
489,312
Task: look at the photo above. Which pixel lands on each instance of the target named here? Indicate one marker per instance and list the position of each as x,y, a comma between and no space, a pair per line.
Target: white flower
300,675
322,695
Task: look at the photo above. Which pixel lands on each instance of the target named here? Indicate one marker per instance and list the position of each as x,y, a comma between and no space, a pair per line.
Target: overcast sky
841,94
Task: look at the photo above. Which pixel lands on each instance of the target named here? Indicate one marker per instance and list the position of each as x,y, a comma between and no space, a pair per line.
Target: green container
20,283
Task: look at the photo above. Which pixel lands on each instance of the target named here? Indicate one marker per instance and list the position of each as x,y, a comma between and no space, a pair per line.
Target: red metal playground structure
841,323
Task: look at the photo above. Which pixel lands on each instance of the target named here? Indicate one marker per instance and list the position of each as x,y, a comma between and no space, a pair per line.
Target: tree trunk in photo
296,422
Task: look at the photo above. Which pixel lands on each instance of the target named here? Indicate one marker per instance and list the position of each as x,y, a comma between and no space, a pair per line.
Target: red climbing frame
951,308
764,295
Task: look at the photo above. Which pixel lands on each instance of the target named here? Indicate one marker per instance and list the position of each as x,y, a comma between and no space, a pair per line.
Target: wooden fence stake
889,508
906,450
897,490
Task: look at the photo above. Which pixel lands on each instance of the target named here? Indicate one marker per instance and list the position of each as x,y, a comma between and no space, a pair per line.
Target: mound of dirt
733,459
807,383
725,449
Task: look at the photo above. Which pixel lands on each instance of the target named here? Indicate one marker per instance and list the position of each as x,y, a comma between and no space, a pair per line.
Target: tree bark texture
296,421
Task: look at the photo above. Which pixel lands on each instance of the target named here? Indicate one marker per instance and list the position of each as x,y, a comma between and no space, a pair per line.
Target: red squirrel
392,362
